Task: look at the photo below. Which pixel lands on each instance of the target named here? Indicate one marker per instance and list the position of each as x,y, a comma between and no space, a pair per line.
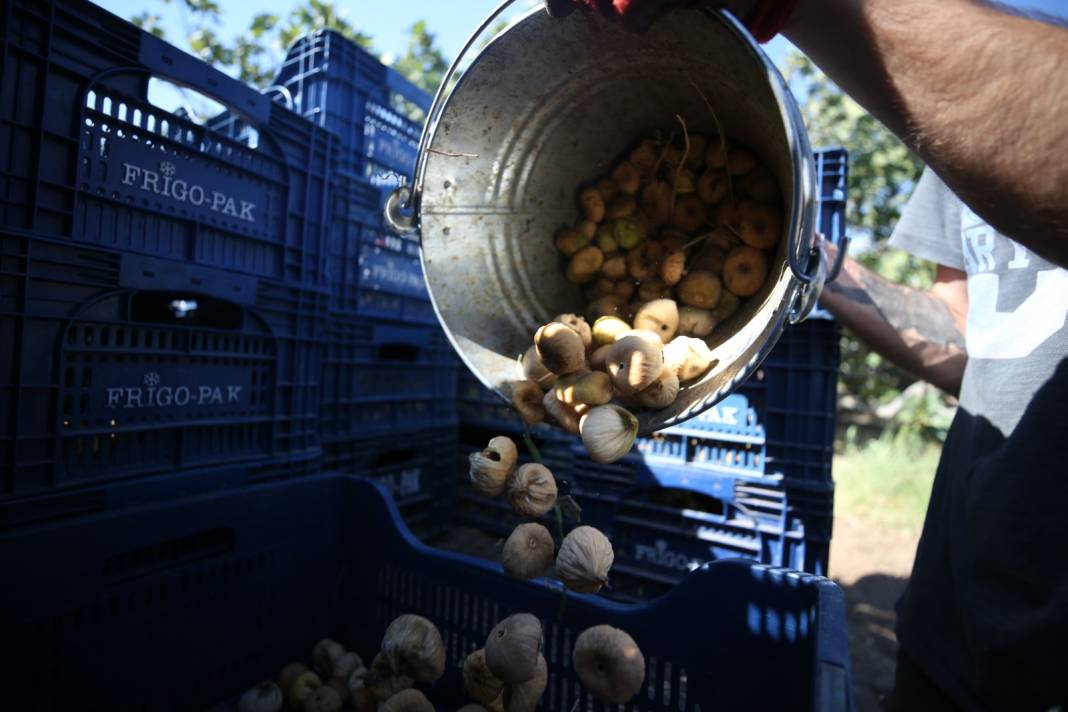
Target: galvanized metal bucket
549,104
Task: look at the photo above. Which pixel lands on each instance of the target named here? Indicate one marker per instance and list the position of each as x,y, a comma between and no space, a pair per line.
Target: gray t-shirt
1017,302
985,613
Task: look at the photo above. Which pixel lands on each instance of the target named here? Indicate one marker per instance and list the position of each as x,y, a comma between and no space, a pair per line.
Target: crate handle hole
159,308
399,352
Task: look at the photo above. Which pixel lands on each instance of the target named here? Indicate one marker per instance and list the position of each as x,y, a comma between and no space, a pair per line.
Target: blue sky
387,22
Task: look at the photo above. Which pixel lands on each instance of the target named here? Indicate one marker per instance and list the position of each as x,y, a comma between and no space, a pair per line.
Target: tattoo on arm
905,309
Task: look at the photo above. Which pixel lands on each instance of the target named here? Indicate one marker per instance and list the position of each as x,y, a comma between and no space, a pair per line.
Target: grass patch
885,482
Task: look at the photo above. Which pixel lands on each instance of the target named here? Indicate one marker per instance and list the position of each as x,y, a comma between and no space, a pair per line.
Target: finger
563,8
638,15
559,8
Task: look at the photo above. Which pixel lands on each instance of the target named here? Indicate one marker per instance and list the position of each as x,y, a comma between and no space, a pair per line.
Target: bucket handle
401,205
811,288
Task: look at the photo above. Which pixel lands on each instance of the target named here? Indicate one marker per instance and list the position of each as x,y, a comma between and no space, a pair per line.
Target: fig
600,287
660,316
611,305
643,261
410,700
584,559
761,185
527,554
688,357
605,238
531,490
634,363
696,322
607,188
588,387
713,186
690,213
607,328
526,399
622,206
663,390
578,324
609,663
645,157
740,161
413,648
624,289
759,225
682,180
700,289
657,202
584,265
489,468
569,241
479,682
534,369
627,177
745,270
695,158
560,348
524,697
728,304
629,232
564,414
592,204
588,228
512,648
673,267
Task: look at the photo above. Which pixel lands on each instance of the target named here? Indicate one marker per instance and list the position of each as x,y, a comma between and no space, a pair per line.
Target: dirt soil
872,564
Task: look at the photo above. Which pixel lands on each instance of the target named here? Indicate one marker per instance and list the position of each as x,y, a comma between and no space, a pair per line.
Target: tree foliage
423,64
253,56
883,172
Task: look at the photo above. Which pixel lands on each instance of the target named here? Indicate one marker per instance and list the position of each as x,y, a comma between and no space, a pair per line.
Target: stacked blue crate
378,117
161,283
755,469
388,386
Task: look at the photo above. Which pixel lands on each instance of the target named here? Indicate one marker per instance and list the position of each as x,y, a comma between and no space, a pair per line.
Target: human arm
920,331
980,95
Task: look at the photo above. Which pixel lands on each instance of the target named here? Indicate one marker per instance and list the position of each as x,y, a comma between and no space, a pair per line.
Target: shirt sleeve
930,223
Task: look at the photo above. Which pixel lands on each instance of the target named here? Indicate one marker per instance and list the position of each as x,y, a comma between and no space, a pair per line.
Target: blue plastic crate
376,112
89,159
779,424
416,470
371,271
103,379
832,178
383,378
94,499
256,576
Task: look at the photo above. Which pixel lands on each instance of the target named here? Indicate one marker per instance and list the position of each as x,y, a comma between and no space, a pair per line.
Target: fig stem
531,447
536,457
722,135
451,154
682,161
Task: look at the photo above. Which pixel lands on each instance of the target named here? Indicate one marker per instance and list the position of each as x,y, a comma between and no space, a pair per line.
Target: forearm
980,95
911,328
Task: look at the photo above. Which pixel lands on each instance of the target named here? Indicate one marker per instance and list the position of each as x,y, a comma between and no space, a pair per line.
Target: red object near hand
634,15
765,18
